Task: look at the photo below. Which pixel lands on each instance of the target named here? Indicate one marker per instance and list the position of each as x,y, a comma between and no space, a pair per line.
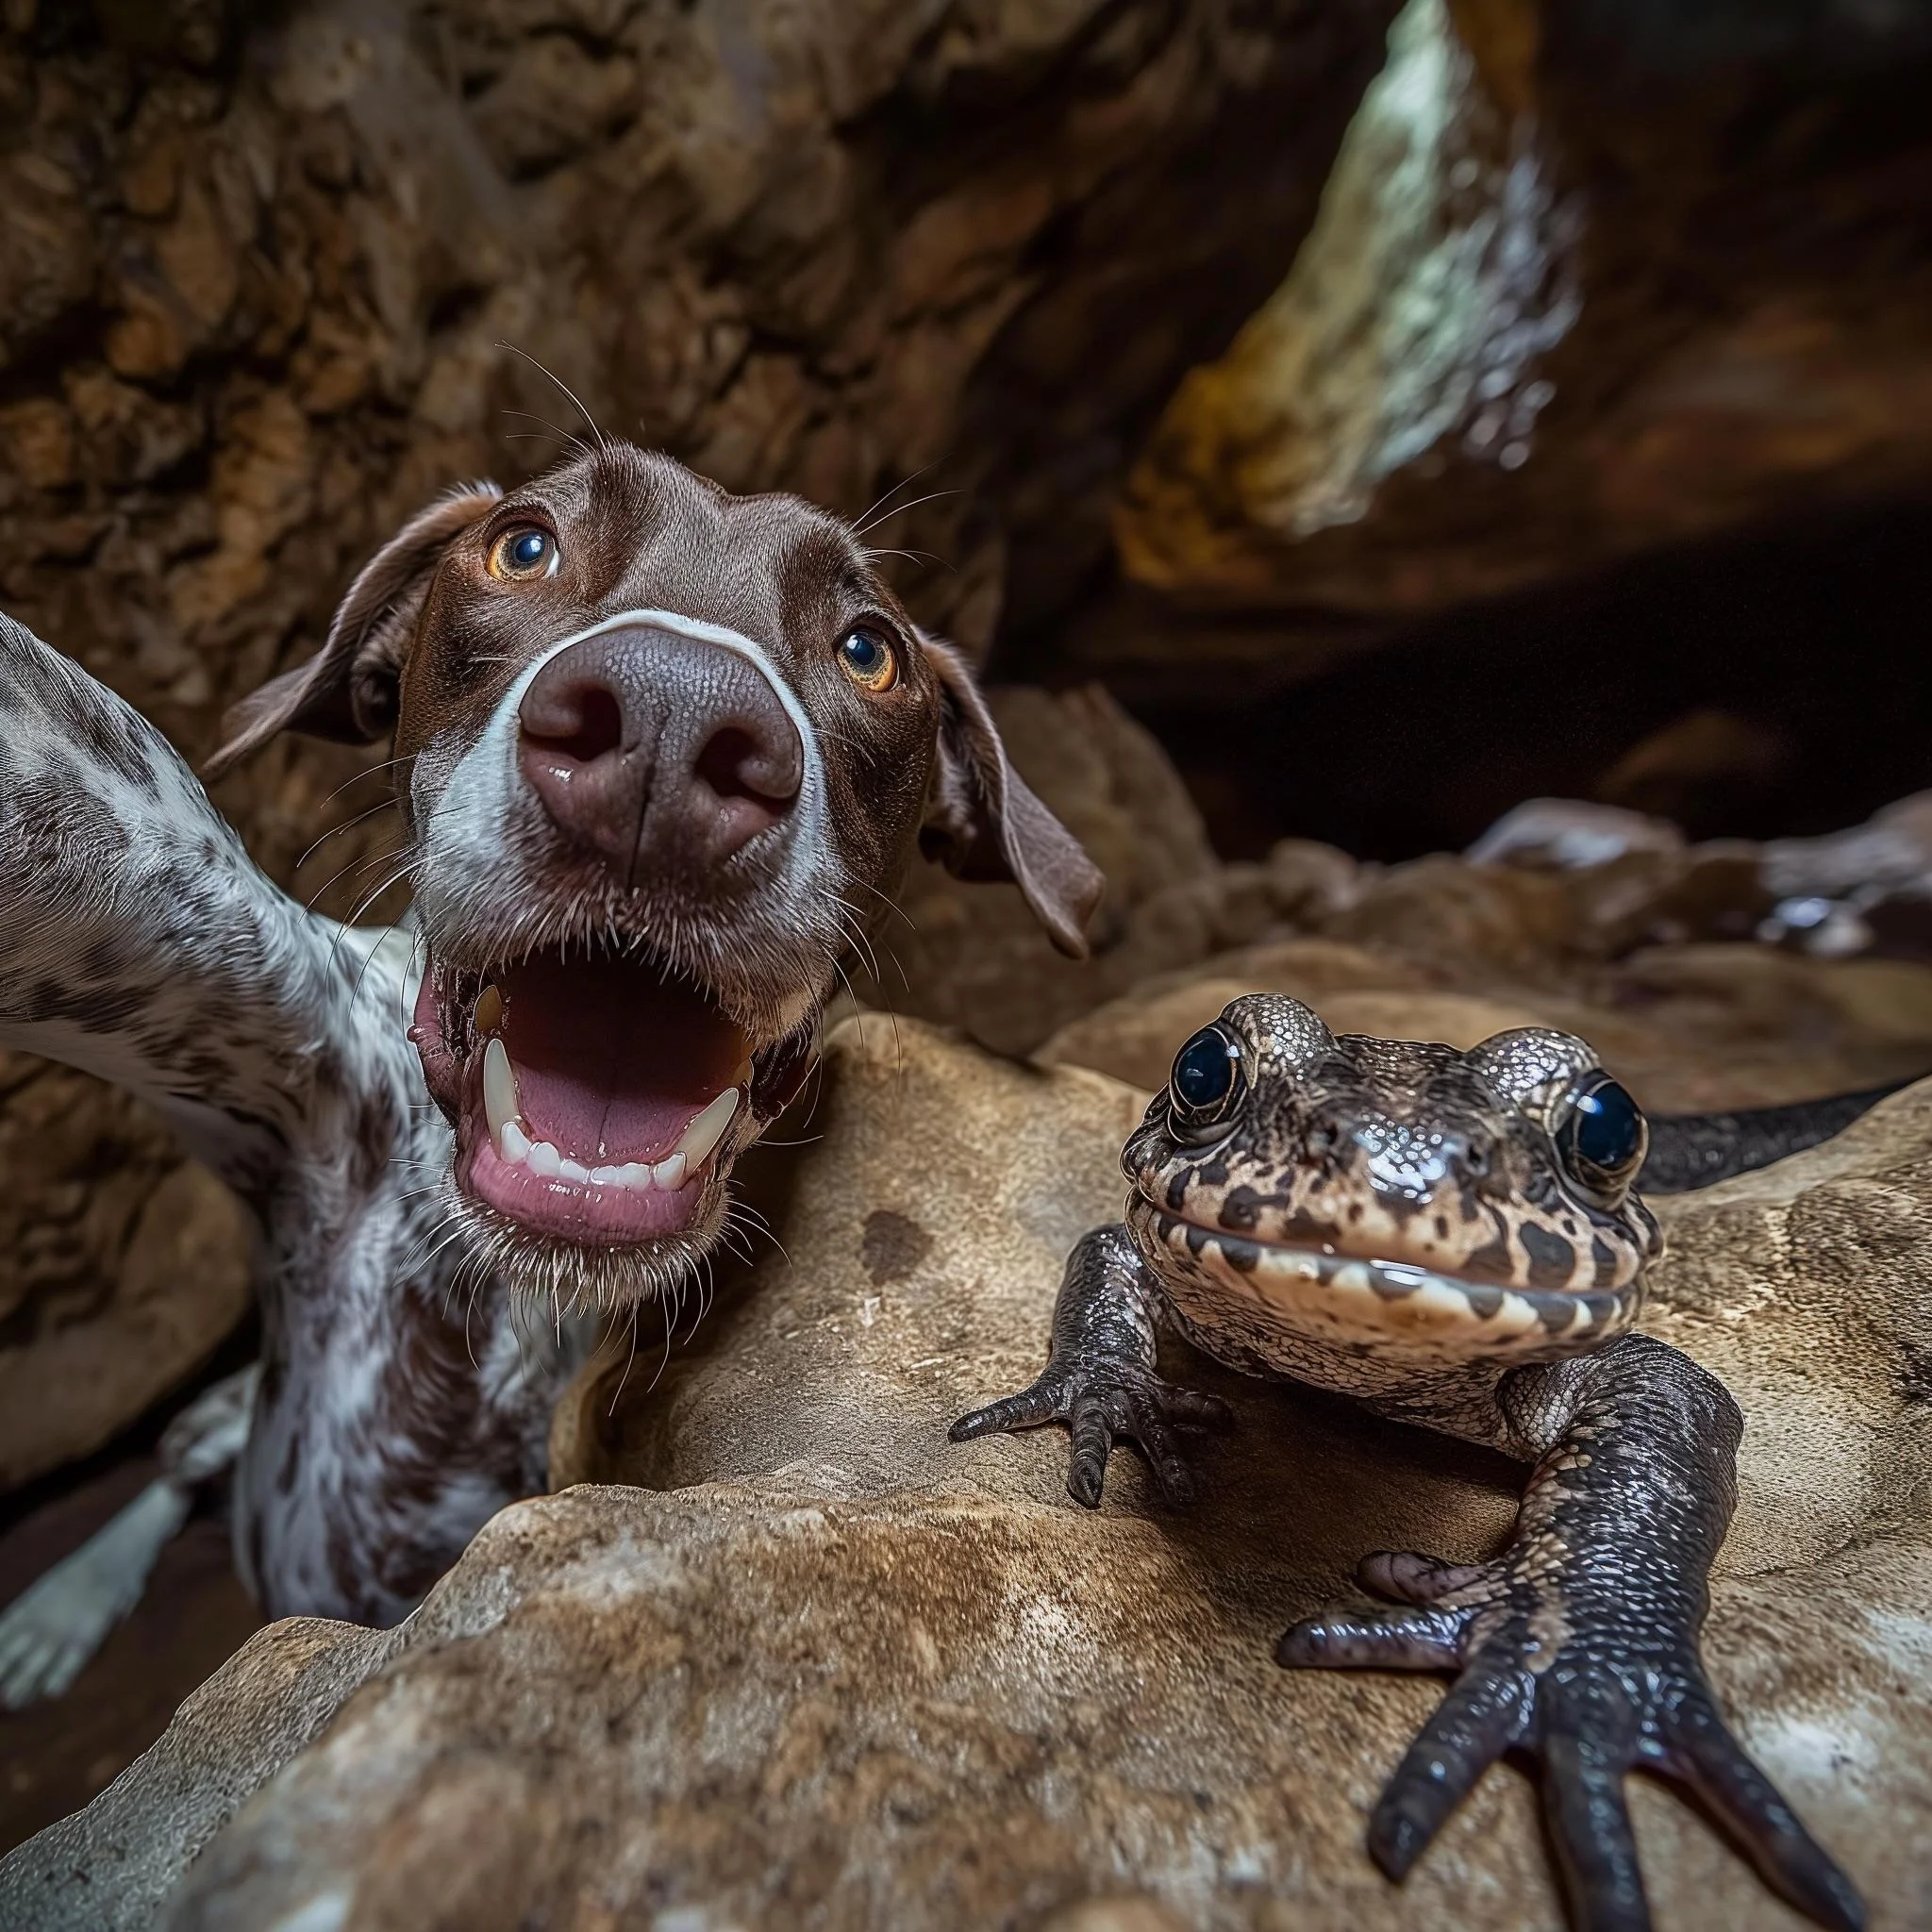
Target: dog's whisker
367,772
861,524
570,395
353,865
917,556
616,1394
568,437
347,825
899,509
888,901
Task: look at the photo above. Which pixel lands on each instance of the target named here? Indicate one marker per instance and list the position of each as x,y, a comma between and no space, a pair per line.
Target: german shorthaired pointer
660,753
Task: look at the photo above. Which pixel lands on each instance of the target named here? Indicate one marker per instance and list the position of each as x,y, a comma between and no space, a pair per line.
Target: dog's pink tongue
611,1061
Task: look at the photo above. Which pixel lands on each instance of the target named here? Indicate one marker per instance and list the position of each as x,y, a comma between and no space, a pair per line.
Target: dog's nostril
583,723
737,763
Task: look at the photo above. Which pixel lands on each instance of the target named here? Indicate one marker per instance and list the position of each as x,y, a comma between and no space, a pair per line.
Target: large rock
1869,886
826,1668
258,264
122,1267
1539,323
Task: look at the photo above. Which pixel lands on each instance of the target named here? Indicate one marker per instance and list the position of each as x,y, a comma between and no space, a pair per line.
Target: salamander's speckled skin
1424,1230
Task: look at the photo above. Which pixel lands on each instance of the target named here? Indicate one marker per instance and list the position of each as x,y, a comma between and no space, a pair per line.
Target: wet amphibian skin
1455,1239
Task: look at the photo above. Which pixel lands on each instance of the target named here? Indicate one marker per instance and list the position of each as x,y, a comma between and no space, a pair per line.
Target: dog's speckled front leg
138,941
1580,1643
1100,1378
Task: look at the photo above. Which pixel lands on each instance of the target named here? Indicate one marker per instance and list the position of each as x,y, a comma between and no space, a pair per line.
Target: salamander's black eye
1206,1085
1603,1138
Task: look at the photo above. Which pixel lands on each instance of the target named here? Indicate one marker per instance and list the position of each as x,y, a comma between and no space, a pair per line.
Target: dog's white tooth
704,1133
668,1173
546,1160
513,1144
635,1175
500,1099
607,1176
572,1170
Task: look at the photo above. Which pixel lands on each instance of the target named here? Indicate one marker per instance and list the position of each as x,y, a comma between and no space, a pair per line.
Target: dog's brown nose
658,750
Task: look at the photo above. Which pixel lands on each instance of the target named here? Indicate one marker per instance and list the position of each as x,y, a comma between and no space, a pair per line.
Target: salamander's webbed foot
1101,1379
1580,1643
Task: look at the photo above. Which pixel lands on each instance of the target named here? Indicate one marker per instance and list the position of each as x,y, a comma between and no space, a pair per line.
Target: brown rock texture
826,1668
122,1266
1647,953
259,265
1587,280
1686,1028
973,956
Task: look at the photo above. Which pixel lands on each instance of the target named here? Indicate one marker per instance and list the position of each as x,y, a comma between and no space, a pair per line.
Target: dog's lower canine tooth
704,1132
500,1099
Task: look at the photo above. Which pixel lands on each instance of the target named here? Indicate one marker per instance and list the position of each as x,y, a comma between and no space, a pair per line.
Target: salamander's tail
1695,1150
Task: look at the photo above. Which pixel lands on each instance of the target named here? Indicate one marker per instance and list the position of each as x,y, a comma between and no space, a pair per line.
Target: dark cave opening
1768,685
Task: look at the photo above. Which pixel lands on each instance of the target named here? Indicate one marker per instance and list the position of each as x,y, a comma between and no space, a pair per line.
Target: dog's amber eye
869,660
522,553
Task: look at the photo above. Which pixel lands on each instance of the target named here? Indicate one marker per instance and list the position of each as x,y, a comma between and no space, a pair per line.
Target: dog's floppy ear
985,822
347,690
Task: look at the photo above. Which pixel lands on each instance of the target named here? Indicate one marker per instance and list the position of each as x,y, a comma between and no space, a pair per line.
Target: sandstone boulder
122,1267
1685,1027
813,1664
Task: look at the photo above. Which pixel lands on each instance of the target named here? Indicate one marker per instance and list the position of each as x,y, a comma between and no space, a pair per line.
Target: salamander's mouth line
1398,1300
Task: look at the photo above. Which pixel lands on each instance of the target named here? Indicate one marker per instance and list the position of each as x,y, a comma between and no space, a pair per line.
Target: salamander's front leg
1101,1379
1580,1643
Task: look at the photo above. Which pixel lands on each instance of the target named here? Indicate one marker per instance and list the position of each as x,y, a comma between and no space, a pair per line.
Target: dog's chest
399,1406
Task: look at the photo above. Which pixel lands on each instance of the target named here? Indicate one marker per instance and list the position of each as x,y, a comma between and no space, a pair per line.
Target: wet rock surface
820,1666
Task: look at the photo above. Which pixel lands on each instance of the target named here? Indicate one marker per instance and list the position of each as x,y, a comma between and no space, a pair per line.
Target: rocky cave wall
1586,282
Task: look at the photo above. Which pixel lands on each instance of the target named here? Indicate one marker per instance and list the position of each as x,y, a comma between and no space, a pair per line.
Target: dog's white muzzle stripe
485,781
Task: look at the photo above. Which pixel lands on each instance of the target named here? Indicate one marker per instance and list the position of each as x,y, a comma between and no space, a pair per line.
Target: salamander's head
1392,1197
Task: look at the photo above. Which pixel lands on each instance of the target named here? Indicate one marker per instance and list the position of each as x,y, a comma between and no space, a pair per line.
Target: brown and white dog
664,754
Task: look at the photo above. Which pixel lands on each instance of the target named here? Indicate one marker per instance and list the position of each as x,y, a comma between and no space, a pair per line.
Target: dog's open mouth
591,1096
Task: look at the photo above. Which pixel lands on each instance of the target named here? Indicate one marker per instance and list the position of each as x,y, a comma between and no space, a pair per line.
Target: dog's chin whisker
567,1281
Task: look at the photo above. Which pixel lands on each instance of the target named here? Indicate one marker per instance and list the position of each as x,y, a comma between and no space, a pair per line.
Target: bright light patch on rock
1437,275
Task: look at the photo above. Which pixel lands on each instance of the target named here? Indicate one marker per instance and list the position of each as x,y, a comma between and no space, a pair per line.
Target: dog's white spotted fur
397,1408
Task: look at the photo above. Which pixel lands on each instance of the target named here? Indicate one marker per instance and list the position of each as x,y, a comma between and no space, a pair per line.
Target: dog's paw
51,1630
